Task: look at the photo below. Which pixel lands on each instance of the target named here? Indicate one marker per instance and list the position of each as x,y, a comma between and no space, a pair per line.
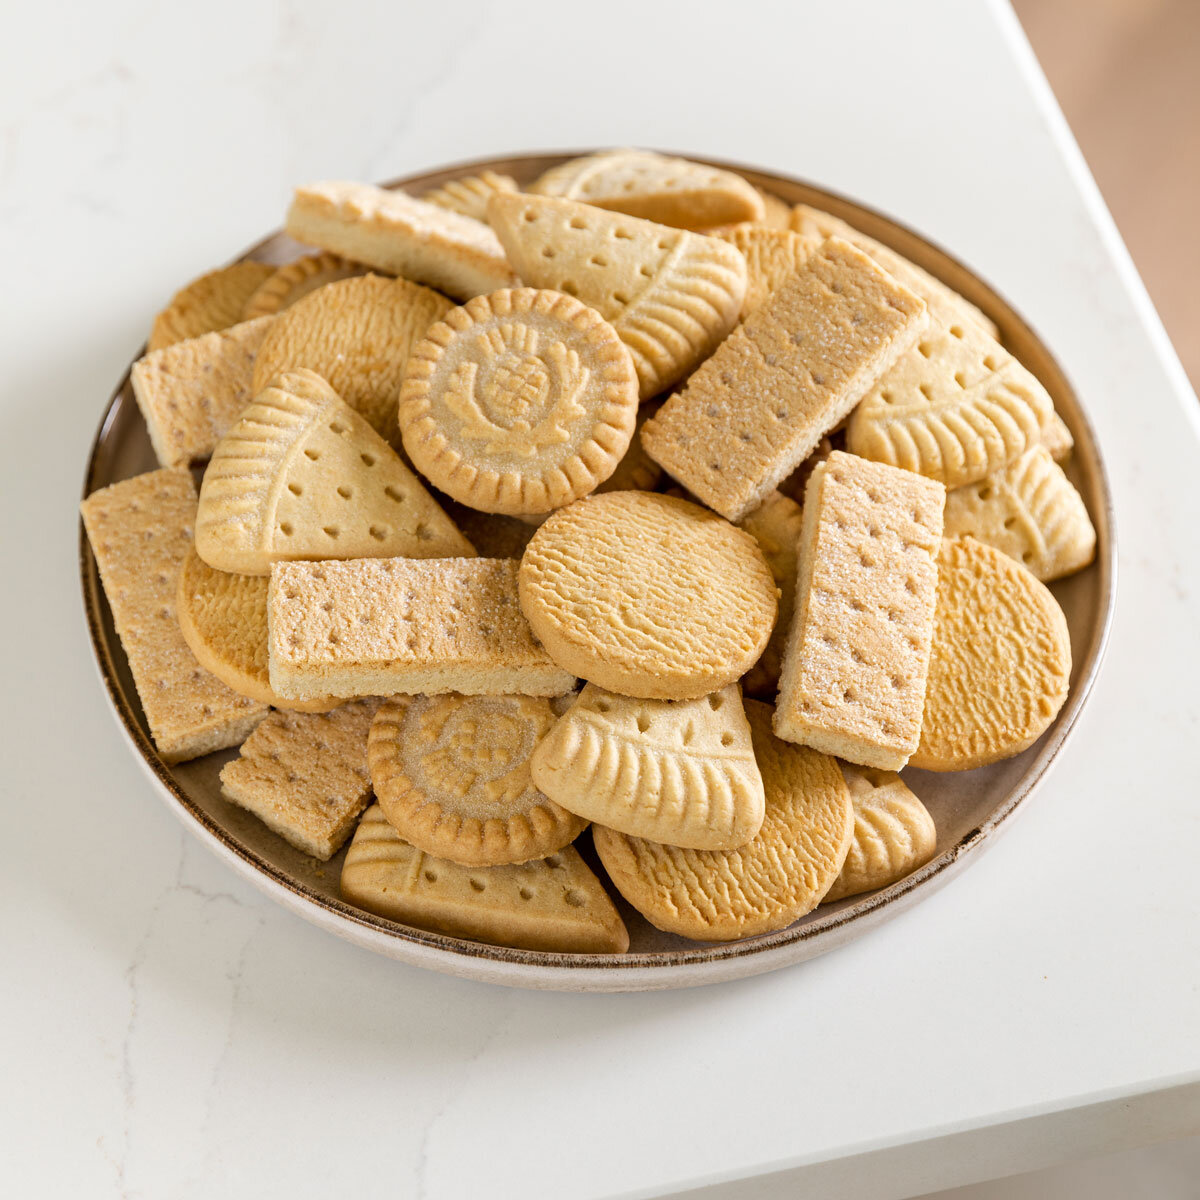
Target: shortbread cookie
675,771
382,626
670,295
788,374
305,776
214,301
647,596
854,669
956,407
776,525
893,833
781,874
303,476
357,334
295,280
223,619
793,486
140,531
772,257
1031,511
393,232
191,392
554,904
451,774
637,471
671,191
518,402
815,223
1001,661
470,195
1056,437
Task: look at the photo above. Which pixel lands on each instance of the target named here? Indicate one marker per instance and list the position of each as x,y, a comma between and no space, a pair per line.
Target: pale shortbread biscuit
140,530
295,280
814,223
191,392
772,257
754,411
305,776
956,407
357,334
1057,438
214,301
303,476
382,626
855,664
671,191
647,595
470,195
776,525
451,774
394,232
1000,667
1031,511
777,877
893,833
793,486
518,402
553,904
675,771
223,618
670,295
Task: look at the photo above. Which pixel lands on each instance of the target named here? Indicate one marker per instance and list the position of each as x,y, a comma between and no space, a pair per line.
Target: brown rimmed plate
971,809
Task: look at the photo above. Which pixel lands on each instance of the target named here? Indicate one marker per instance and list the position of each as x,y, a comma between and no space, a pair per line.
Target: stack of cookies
635,500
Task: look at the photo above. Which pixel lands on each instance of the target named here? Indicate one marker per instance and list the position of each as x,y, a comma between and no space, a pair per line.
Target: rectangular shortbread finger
857,657
190,393
305,775
387,626
140,530
755,410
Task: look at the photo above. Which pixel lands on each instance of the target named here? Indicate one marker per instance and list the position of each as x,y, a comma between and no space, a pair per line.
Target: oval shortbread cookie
893,833
470,195
674,771
1000,665
647,595
452,776
781,874
518,402
357,334
295,280
670,295
302,476
214,301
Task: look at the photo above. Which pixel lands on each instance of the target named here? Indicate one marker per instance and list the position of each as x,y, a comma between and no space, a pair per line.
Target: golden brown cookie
214,301
1001,661
451,774
647,596
772,257
518,402
470,195
294,281
777,877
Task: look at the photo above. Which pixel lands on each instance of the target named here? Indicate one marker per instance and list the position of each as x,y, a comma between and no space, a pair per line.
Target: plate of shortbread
597,571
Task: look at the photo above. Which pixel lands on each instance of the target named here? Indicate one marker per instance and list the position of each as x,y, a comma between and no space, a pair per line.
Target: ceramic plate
970,809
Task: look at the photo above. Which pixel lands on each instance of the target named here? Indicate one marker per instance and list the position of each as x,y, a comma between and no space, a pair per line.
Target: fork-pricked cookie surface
675,771
451,774
294,281
670,295
214,301
518,402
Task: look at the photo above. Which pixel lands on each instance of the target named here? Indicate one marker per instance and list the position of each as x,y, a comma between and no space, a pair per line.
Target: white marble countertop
169,1032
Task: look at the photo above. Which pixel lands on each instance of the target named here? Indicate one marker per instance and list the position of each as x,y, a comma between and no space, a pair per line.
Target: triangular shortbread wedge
956,407
674,771
671,191
893,833
772,257
670,295
303,476
214,301
470,195
401,235
1031,511
555,904
295,280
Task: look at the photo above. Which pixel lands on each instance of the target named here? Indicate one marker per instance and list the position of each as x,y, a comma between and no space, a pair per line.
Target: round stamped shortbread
773,880
452,776
518,402
1000,664
647,595
214,301
295,280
